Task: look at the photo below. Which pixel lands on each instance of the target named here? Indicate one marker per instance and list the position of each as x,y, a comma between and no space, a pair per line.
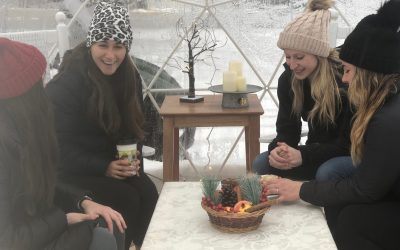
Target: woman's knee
103,240
145,189
261,164
101,230
335,169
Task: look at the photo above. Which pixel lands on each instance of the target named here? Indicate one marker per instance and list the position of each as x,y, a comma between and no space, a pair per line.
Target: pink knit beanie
309,32
21,66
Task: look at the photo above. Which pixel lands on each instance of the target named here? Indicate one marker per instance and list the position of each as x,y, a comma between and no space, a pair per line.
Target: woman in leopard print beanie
98,103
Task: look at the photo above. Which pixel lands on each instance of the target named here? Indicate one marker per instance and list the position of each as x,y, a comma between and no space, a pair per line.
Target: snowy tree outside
250,27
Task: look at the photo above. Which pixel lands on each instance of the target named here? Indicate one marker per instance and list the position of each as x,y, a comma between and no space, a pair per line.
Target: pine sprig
251,188
209,187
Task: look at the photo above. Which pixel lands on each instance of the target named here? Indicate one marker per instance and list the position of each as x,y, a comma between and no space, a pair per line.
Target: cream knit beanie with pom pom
309,32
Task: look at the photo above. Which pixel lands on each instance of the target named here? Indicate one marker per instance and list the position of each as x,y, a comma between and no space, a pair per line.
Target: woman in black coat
362,206
97,100
310,89
36,211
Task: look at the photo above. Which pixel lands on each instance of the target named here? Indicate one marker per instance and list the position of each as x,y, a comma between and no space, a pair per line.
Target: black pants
368,226
135,198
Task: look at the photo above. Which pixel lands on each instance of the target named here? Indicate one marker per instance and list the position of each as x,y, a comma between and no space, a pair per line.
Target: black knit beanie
374,44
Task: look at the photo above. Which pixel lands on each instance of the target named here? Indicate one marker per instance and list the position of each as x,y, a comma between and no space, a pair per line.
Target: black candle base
233,100
194,99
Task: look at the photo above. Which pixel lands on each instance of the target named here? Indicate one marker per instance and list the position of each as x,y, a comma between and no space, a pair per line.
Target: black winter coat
85,147
322,143
377,176
48,230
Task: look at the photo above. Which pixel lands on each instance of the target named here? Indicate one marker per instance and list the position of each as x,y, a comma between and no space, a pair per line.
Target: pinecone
229,196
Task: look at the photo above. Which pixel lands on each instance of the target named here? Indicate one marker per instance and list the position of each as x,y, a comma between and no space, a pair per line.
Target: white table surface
180,223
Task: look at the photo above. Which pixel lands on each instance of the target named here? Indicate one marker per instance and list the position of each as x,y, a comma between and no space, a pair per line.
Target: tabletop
179,223
212,105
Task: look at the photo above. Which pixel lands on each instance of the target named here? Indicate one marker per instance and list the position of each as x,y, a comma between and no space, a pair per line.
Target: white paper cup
127,152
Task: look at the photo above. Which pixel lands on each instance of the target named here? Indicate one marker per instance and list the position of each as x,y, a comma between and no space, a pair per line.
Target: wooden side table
209,113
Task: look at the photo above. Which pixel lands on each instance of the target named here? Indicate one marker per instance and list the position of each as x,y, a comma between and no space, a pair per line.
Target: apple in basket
241,206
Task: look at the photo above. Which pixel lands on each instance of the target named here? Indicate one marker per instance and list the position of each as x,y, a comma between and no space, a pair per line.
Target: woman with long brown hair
97,99
36,211
362,205
310,89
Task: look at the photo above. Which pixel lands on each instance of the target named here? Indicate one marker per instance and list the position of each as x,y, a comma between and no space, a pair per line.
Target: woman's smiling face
108,56
302,64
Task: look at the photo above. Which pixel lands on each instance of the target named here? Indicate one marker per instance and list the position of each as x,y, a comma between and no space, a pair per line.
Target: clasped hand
284,157
121,169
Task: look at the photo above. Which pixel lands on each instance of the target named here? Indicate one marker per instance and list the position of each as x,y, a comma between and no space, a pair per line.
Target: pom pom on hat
374,44
309,32
22,66
110,22
389,14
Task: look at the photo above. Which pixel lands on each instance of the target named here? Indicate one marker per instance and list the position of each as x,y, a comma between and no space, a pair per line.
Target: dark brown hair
32,154
116,101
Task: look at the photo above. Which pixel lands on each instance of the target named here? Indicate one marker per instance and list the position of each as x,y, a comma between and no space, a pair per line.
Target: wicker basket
235,222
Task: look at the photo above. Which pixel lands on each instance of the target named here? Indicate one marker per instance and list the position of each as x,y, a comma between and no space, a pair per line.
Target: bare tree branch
201,41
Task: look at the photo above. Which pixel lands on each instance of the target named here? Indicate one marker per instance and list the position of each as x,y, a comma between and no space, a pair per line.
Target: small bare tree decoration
200,38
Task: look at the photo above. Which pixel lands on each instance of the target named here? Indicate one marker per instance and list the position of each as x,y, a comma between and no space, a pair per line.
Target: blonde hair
367,92
324,91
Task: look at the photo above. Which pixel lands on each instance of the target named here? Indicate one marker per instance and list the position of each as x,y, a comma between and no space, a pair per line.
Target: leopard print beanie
110,22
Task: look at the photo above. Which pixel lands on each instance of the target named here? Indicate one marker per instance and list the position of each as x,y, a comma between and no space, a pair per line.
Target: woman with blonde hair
362,204
309,89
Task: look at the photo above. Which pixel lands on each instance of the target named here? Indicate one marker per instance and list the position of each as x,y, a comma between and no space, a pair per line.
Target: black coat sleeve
338,143
77,237
47,230
68,196
29,235
77,142
378,175
288,125
38,231
35,234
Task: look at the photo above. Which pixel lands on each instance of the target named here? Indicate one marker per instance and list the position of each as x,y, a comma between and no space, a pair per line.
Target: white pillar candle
229,82
235,66
241,85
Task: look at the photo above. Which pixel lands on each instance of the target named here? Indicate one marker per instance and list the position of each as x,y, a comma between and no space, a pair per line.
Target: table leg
168,146
252,135
175,155
248,147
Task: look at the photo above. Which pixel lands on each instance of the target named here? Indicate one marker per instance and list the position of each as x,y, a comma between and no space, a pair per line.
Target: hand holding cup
127,164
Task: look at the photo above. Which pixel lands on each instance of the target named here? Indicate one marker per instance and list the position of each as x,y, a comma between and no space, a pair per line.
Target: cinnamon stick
260,206
238,192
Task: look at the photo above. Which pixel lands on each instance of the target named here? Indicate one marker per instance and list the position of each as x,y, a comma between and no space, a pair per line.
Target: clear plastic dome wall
245,30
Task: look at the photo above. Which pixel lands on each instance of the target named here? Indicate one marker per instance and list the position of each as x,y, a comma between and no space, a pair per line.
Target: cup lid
127,147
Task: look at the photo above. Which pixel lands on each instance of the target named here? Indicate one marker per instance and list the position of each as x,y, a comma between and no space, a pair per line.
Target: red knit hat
21,66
